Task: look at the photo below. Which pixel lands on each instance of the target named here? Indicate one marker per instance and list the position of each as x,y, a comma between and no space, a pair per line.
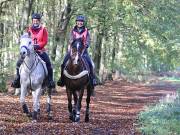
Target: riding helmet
80,18
36,16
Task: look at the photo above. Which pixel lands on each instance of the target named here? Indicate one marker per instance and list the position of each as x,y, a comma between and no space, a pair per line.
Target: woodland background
134,38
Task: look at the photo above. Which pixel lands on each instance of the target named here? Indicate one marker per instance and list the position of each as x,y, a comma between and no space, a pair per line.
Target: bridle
75,50
36,60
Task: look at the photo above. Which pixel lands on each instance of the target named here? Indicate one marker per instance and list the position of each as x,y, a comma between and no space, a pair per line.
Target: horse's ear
32,12
29,34
80,39
42,14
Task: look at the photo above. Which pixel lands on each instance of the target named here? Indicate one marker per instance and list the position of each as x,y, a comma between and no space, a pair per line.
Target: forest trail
113,110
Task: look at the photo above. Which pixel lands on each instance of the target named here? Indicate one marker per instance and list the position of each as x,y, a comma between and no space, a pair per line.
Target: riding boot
60,82
16,82
50,78
93,78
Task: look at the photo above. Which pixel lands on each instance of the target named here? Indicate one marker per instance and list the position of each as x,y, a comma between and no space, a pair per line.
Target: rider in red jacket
39,36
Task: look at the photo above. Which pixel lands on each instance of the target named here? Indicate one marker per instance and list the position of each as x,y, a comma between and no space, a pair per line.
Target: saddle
44,65
86,64
86,70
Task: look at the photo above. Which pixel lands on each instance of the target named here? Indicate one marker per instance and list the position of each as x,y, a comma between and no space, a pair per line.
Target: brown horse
76,78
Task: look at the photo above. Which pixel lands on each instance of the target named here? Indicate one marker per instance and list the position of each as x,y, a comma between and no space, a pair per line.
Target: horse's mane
26,35
77,40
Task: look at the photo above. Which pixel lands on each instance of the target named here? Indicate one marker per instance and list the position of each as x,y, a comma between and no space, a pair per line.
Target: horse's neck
74,69
30,59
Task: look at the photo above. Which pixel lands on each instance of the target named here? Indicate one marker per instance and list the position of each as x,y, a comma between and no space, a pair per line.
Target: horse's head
26,45
76,51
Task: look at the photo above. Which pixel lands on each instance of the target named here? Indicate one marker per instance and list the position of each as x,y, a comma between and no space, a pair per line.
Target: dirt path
114,109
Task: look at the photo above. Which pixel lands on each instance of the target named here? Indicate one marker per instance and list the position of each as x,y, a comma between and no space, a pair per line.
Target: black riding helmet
36,16
81,18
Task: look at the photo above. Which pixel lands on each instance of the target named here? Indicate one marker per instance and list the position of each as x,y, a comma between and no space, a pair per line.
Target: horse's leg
75,97
78,105
69,96
49,104
36,97
87,103
22,100
38,111
75,103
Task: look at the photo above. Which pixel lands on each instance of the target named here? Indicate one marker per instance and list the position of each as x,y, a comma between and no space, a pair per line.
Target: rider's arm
88,40
71,37
44,40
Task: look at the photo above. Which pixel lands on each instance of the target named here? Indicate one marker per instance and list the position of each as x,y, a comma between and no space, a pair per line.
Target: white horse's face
25,45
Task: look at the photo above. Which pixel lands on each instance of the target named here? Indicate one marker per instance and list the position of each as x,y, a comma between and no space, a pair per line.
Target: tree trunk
62,28
97,51
113,53
25,14
1,26
1,34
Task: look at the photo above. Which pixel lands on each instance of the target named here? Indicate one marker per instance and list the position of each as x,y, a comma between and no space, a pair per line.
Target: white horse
33,73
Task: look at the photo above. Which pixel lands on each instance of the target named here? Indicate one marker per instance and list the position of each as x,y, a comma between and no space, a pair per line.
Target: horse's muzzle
23,54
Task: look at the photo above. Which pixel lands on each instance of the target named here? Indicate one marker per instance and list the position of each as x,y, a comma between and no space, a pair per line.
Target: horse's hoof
77,119
87,119
50,116
34,121
71,117
74,112
38,112
29,115
34,115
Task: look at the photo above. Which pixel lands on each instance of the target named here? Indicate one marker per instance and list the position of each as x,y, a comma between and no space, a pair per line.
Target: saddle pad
44,65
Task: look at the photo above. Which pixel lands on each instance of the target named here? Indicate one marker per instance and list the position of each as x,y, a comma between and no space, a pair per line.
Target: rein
82,73
34,63
26,48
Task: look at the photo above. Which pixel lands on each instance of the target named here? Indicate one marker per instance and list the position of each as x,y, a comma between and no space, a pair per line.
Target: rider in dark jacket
79,31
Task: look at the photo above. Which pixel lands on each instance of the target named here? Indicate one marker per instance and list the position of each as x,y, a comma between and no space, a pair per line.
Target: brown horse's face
76,52
74,56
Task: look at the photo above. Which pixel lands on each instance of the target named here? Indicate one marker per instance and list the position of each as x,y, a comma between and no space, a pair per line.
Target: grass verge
163,118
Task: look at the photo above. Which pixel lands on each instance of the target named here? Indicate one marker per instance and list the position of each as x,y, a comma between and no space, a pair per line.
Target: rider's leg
92,72
44,56
60,82
16,82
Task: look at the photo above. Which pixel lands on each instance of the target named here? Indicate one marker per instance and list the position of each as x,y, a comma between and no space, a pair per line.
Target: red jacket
39,36
84,34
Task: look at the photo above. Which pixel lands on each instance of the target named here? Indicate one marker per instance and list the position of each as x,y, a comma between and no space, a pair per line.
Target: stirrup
15,84
60,83
93,93
94,82
51,84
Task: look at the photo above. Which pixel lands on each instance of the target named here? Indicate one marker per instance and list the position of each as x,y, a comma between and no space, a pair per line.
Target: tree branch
4,1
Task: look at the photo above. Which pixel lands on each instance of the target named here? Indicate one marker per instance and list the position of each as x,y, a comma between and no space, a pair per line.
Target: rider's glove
87,46
36,47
